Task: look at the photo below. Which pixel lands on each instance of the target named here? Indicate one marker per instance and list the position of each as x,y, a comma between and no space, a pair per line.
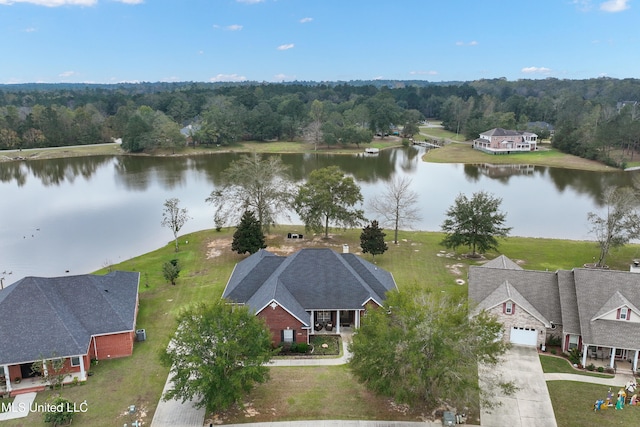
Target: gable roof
310,279
616,301
506,292
42,317
502,262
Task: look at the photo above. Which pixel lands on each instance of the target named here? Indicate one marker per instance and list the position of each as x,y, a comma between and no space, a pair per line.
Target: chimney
345,249
635,266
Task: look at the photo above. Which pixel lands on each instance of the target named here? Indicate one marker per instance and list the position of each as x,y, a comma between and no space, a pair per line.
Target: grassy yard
440,134
573,406
417,261
553,364
463,153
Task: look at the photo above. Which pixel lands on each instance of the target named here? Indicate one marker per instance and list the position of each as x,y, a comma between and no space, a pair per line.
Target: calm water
77,214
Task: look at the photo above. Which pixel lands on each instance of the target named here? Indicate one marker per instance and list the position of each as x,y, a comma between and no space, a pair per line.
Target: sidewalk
20,407
312,361
618,381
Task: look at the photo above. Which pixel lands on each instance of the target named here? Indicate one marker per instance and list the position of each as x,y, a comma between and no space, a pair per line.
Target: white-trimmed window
624,313
508,307
287,335
573,341
75,361
323,316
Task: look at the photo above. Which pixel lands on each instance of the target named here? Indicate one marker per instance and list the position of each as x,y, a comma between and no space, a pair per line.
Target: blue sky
112,41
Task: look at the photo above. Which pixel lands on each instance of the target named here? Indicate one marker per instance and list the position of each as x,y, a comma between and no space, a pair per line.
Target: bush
591,367
610,370
553,341
300,347
553,351
600,369
574,356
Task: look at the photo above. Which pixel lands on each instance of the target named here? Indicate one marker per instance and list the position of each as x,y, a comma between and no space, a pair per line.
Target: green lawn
573,406
553,364
418,260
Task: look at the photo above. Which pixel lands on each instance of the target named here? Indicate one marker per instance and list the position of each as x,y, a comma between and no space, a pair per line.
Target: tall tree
397,205
619,223
174,217
329,196
260,185
372,239
218,353
248,237
423,348
475,223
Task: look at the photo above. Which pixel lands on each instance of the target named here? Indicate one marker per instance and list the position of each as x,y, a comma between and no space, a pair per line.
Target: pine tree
372,239
248,236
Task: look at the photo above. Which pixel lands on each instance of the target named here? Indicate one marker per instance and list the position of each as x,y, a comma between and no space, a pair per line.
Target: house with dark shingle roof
314,290
75,318
596,311
503,141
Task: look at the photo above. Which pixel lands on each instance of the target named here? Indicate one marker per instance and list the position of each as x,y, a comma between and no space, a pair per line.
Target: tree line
592,118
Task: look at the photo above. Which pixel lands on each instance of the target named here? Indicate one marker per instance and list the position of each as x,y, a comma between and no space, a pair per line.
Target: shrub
300,347
553,351
610,370
600,369
591,367
553,340
574,356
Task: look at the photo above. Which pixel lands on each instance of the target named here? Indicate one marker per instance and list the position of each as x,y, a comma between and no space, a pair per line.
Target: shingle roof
41,317
501,132
502,262
568,302
506,292
310,279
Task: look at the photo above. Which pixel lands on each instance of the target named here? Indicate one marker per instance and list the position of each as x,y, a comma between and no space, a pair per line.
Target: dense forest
591,118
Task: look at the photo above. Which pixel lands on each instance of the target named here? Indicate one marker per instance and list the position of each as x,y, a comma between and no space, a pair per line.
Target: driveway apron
530,406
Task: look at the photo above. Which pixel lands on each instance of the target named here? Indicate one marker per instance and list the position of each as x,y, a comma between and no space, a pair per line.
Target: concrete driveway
531,404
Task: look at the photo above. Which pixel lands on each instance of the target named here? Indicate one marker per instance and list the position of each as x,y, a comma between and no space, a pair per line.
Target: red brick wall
111,346
278,319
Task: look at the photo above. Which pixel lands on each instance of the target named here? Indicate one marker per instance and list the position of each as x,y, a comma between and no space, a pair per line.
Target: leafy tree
397,205
620,222
260,185
475,223
64,416
218,353
328,196
372,240
223,122
53,370
423,348
174,217
171,271
248,237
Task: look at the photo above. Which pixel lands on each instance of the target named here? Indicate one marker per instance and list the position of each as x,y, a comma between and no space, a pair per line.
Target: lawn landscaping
553,364
207,261
573,405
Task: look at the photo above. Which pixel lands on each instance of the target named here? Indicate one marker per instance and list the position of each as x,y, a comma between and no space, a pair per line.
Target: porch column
635,362
312,322
357,319
584,354
45,371
83,375
7,377
337,321
613,357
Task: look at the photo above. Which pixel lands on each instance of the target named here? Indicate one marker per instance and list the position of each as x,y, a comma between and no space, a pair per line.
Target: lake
72,216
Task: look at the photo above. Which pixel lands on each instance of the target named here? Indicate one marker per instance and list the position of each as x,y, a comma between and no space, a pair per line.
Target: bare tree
397,205
618,224
174,217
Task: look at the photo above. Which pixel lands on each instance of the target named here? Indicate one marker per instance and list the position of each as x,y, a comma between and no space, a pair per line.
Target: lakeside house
594,310
503,141
313,291
74,318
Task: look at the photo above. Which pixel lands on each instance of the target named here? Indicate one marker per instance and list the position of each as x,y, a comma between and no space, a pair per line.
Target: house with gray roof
314,290
74,318
594,310
504,141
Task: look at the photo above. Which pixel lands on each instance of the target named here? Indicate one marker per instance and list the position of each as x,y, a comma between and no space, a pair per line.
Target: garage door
524,336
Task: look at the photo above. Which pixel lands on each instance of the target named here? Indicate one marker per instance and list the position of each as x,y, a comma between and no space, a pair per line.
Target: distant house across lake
503,141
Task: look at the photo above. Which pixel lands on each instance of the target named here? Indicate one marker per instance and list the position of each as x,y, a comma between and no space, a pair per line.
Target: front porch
619,359
334,322
27,385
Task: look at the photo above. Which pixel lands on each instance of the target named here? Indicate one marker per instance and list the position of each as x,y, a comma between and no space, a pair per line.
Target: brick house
311,291
593,310
503,141
75,318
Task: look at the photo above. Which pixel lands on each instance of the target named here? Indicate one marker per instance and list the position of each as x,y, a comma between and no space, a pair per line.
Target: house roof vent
345,249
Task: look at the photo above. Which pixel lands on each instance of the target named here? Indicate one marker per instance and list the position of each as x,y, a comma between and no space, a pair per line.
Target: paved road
174,413
531,405
340,423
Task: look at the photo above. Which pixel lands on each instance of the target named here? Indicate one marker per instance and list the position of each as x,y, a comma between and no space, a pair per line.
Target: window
75,361
508,307
623,313
573,341
324,316
287,335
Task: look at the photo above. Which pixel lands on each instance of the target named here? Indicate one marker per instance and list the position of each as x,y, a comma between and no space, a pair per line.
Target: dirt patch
215,247
455,268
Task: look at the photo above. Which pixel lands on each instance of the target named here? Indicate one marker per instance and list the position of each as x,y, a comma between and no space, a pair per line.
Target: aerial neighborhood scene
285,212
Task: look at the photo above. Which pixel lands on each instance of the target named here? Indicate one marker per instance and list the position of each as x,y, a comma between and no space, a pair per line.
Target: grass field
418,260
553,364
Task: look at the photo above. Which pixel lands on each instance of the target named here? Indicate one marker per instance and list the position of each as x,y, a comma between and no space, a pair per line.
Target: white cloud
305,20
131,1
424,73
67,74
582,5
471,43
234,27
282,77
227,78
377,78
250,1
286,46
615,5
52,3
536,70
30,30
